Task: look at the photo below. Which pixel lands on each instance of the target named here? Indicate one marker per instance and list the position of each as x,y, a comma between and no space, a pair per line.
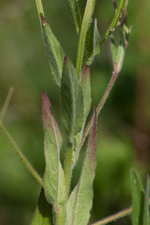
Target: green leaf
137,198
80,201
120,54
54,181
92,42
76,14
146,219
86,88
113,48
71,100
42,215
54,51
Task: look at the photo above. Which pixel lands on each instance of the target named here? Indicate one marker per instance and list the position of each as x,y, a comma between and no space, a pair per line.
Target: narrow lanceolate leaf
86,88
54,182
71,100
54,51
120,54
76,14
137,198
113,48
43,212
80,201
146,219
92,42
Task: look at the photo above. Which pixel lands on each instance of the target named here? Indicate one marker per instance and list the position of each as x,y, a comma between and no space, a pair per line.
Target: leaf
54,51
113,48
80,201
86,88
71,100
92,42
120,54
137,198
146,219
42,215
76,14
54,181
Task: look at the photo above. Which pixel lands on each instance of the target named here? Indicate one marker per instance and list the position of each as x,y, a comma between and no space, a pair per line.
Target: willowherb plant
57,203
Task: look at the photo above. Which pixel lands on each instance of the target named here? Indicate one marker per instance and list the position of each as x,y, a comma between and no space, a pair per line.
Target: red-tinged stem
114,217
100,106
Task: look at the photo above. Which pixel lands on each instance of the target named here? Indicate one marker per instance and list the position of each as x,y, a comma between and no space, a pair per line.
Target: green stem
68,167
114,217
89,9
40,8
100,106
114,22
22,157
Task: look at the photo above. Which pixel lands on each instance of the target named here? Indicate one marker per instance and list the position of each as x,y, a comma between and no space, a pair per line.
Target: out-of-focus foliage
23,64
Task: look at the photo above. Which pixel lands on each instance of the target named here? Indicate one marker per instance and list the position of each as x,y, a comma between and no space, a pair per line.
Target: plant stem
22,157
40,8
68,167
114,217
114,22
89,9
100,106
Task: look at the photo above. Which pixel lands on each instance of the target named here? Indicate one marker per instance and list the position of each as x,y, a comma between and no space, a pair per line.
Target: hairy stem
114,22
40,8
89,9
114,217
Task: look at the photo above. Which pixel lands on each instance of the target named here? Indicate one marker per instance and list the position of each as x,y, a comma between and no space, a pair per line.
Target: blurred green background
123,125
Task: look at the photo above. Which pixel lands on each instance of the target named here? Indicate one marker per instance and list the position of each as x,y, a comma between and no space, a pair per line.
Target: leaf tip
45,99
66,59
86,69
46,107
44,21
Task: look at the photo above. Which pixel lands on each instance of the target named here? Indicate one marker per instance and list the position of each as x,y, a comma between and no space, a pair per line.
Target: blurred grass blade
71,100
146,219
120,54
81,198
76,14
113,48
42,215
6,103
12,143
54,181
137,198
92,42
20,154
54,51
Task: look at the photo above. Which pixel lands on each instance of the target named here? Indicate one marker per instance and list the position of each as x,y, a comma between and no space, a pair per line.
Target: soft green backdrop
123,126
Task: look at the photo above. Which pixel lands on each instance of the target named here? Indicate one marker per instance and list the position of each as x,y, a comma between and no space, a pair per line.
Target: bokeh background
123,125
